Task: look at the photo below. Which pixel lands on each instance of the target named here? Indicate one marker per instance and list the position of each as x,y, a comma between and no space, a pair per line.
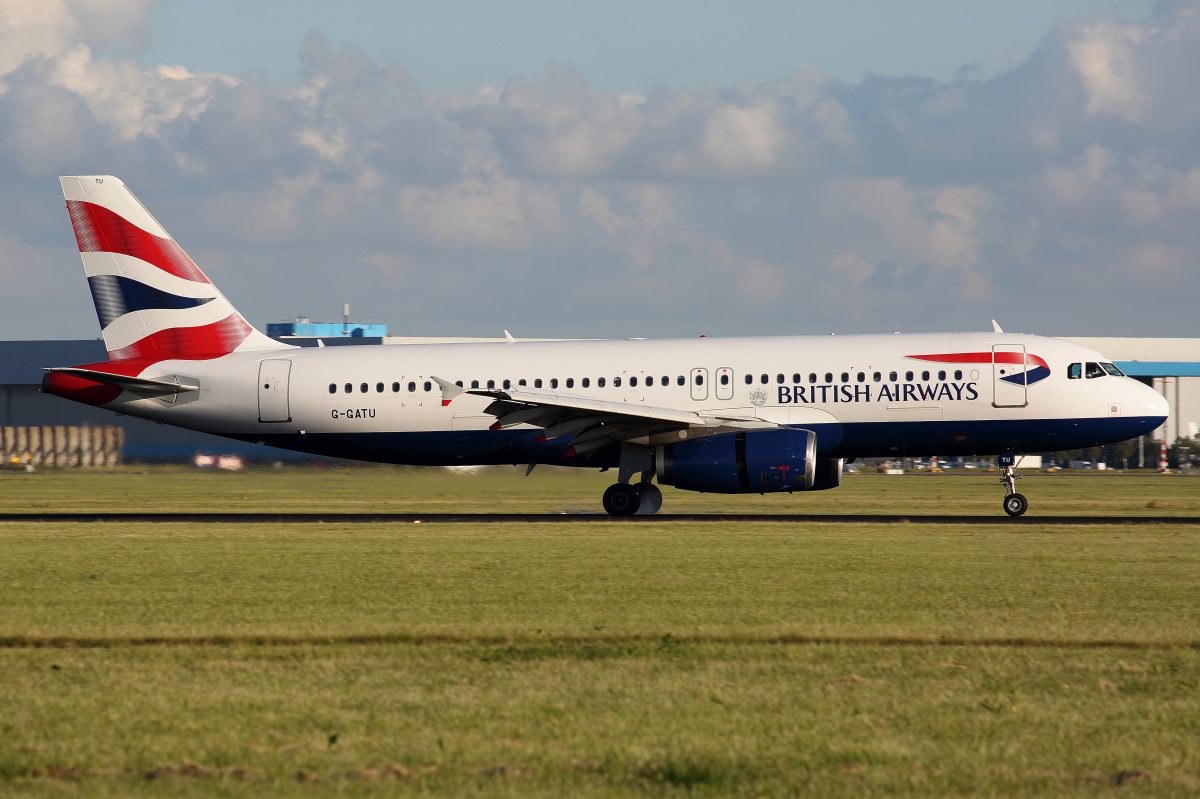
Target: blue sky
620,45
622,169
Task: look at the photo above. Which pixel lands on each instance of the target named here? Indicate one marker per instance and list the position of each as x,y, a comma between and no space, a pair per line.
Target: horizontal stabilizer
124,381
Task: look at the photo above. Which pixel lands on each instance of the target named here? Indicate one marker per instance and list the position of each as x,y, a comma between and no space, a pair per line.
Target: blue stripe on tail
116,296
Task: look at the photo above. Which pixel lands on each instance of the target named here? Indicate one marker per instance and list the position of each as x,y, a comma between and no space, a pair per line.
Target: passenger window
396,387
570,382
333,388
633,382
958,374
616,382
829,377
362,387
749,379
600,382
586,382
474,384
664,381
779,378
379,388
862,378
349,388
724,379
413,386
942,374
877,377
1112,370
428,385
681,380
892,376
537,382
908,376
812,377
650,379
763,379
796,377
845,377
924,375
491,384
700,380
521,382
507,385
554,382
1093,370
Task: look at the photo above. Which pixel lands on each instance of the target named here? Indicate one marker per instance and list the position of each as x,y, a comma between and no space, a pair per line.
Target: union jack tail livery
153,302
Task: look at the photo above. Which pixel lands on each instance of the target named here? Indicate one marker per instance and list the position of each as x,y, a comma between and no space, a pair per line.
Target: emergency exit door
273,390
699,383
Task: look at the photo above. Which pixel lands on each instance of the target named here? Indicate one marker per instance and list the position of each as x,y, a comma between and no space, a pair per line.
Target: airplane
736,415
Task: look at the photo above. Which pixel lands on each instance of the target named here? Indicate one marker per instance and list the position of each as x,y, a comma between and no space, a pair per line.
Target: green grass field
549,490
593,659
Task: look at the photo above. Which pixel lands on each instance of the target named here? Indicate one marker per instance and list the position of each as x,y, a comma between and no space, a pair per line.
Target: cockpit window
1093,370
1112,370
1075,371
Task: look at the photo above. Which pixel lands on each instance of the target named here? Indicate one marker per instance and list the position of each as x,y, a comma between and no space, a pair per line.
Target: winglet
508,337
996,327
449,390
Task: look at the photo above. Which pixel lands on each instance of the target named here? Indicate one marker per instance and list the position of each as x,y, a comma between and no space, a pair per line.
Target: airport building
1170,365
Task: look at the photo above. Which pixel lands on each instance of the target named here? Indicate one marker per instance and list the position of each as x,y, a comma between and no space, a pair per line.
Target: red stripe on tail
189,343
98,229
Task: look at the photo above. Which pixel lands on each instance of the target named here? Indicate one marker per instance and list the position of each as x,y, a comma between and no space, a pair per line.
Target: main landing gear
630,499
1014,504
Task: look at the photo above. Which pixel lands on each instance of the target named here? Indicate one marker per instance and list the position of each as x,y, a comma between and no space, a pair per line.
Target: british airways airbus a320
721,415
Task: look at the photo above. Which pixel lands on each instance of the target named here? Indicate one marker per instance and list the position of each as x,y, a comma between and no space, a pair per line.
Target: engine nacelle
755,461
829,474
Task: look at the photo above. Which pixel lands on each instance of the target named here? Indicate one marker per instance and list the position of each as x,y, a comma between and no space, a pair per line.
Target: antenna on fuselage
996,327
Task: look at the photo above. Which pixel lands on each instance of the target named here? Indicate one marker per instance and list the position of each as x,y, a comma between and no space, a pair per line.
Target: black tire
1016,505
649,499
621,499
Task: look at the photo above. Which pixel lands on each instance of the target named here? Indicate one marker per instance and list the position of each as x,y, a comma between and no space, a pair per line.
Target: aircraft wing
592,423
124,381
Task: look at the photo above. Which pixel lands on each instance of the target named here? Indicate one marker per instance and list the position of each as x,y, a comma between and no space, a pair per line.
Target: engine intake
755,461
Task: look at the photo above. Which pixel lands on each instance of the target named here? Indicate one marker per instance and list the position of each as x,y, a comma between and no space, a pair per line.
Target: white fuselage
381,402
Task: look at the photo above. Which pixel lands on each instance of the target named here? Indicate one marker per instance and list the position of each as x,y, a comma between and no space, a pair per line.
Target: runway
583,518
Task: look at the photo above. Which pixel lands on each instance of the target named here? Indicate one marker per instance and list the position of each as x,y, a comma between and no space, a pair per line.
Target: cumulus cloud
1059,196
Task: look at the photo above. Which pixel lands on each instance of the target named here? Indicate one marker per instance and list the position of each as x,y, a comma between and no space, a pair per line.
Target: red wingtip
495,426
570,453
541,437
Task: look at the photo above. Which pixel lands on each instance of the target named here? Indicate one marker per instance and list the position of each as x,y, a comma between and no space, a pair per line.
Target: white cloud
902,199
1104,55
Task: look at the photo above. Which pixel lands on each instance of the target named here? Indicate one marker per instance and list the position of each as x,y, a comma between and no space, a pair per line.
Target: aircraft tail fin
151,298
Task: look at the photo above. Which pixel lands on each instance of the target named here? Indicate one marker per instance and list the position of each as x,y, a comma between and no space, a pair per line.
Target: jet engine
829,474
753,461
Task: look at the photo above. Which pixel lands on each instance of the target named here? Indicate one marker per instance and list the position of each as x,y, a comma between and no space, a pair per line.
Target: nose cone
1153,405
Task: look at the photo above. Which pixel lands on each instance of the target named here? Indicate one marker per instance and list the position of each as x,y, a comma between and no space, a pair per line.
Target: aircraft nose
1153,404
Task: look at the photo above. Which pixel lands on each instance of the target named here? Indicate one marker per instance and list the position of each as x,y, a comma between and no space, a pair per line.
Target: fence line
62,446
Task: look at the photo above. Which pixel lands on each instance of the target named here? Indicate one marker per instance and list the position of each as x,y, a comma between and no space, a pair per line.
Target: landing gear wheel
1015,504
621,499
649,499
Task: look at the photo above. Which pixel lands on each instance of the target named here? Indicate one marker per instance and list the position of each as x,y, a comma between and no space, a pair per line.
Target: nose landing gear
1014,504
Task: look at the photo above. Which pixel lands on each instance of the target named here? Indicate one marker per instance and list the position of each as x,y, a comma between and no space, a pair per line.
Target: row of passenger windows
650,380
1090,370
860,377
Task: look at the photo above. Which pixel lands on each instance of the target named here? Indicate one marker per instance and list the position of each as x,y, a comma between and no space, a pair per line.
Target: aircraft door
273,390
1008,376
699,384
724,378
